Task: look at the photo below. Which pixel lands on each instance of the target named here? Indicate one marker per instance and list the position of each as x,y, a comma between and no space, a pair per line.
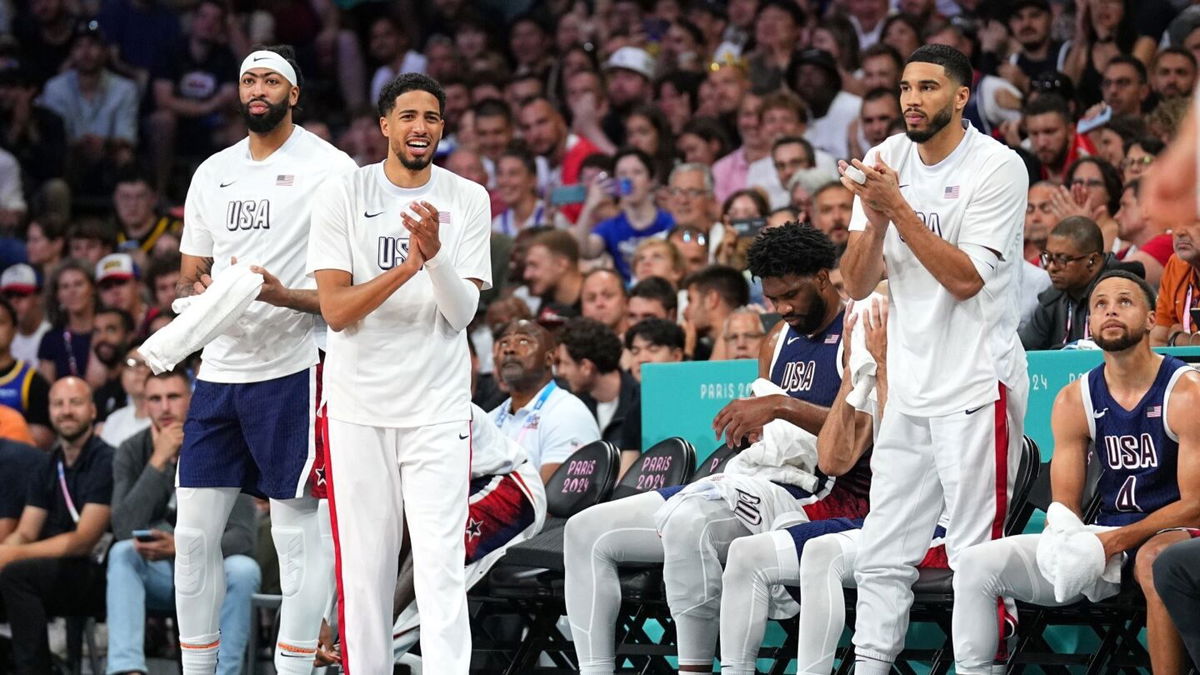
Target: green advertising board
681,399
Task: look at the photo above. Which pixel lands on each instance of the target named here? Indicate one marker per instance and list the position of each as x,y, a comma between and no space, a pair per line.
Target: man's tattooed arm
194,276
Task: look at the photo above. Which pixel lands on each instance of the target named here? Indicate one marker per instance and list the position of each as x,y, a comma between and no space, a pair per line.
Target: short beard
522,381
936,124
1119,344
109,355
812,320
416,163
71,438
267,122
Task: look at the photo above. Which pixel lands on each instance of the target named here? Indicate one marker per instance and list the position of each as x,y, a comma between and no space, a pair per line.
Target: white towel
785,454
862,364
1071,557
203,317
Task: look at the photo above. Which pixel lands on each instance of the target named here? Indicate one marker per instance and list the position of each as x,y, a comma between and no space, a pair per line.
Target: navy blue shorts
257,436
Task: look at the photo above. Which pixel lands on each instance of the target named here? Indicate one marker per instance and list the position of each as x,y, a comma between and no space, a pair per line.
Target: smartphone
748,227
621,188
1091,124
568,194
144,536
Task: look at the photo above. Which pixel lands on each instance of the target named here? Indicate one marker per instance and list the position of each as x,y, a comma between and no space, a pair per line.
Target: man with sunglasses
1075,258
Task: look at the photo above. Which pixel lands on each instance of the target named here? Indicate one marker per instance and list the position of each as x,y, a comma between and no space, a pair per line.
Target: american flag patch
285,180
1154,411
444,217
951,192
832,339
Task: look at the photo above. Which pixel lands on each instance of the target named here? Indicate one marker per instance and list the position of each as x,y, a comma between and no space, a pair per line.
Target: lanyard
71,363
1187,310
506,220
1087,330
537,405
62,483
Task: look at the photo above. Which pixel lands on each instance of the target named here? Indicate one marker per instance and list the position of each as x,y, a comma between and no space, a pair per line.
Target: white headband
271,61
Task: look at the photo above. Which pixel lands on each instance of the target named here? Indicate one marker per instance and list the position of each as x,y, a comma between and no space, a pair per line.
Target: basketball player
251,423
944,207
1138,410
400,251
793,262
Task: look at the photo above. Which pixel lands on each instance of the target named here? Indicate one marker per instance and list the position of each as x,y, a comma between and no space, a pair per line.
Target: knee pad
191,561
289,546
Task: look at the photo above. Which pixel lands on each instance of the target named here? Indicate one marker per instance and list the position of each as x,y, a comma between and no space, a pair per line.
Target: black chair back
664,464
1028,473
584,479
715,462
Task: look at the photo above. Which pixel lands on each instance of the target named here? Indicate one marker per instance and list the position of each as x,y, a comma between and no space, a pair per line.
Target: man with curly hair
690,536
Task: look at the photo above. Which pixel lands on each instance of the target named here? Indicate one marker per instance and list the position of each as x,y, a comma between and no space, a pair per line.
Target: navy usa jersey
1137,451
807,367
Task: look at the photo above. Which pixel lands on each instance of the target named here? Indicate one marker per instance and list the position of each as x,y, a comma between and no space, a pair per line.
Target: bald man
53,563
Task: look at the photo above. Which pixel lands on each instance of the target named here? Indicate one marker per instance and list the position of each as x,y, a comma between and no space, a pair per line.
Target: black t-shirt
43,58
23,389
89,480
110,396
625,428
198,79
54,348
1033,68
20,464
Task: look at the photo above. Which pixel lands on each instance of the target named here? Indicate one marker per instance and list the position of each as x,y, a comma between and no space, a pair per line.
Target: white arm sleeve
456,298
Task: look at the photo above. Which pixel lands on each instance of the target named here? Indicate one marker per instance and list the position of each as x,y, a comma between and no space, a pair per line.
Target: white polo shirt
551,426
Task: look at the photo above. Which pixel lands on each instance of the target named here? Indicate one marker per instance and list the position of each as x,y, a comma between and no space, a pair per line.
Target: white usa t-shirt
946,356
402,365
551,430
258,212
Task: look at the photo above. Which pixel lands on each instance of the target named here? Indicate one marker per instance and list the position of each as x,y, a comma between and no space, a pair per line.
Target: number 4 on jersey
1127,496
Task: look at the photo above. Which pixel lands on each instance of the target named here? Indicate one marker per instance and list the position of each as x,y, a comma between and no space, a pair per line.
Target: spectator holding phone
141,564
638,219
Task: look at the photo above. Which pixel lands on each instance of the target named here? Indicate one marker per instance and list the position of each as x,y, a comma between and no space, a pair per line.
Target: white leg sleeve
825,568
696,539
200,573
596,540
304,576
755,564
1002,568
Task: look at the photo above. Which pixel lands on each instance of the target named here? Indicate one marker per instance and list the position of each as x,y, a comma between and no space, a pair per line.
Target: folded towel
862,364
214,312
1071,557
785,454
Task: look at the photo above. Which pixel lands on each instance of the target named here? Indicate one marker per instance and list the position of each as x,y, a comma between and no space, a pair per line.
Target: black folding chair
523,579
715,463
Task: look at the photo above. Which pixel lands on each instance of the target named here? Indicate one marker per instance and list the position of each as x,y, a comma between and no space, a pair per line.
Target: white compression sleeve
304,578
826,566
754,565
200,573
596,540
457,298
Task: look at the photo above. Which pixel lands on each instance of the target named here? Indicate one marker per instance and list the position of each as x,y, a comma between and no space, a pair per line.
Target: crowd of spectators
632,149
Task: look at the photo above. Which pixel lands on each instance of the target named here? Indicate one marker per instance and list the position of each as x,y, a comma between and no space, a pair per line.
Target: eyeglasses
1060,259
692,236
1088,182
1144,160
738,337
690,193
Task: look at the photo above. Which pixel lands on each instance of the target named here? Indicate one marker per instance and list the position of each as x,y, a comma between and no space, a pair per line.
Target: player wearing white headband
252,421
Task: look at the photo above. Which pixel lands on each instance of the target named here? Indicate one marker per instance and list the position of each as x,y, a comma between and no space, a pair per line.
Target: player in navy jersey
1137,410
690,534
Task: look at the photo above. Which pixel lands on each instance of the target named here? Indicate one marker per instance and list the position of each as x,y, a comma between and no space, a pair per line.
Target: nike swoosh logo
1098,415
462,437
903,186
371,215
261,58
225,185
792,339
972,411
